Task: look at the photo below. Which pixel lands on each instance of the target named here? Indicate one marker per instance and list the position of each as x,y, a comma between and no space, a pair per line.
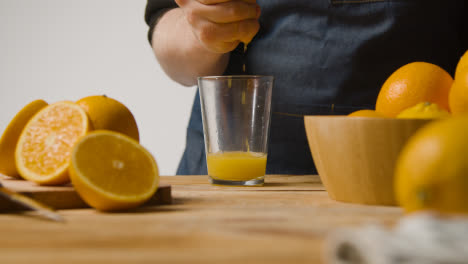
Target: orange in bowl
462,65
458,97
411,84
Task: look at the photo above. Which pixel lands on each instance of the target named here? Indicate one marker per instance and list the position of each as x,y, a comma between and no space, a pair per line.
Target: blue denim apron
330,58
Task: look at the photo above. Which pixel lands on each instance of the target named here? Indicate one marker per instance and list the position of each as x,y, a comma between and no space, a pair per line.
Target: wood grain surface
63,197
356,156
287,221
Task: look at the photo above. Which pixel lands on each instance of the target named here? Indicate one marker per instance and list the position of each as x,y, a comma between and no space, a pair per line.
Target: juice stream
237,165
245,51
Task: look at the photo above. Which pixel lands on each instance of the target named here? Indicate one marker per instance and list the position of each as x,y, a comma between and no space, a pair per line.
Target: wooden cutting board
64,197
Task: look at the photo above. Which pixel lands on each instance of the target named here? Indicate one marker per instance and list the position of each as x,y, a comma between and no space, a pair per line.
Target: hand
220,25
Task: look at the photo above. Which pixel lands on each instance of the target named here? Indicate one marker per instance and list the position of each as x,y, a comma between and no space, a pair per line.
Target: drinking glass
236,119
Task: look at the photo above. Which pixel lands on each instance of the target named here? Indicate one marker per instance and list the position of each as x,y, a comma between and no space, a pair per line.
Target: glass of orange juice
236,120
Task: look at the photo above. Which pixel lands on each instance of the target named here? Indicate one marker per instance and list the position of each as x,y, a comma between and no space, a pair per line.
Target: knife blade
42,209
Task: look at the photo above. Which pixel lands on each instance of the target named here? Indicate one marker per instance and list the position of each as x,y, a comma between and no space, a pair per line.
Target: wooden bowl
355,156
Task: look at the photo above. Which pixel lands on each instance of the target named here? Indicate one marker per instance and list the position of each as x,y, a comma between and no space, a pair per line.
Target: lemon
424,110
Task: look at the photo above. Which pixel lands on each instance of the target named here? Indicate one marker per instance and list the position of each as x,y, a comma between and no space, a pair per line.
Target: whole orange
432,168
411,84
109,114
458,97
462,64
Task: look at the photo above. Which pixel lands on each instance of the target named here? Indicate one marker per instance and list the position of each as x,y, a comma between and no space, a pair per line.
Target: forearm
180,54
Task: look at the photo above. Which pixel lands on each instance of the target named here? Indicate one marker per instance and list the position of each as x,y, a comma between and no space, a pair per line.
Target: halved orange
112,171
11,135
43,151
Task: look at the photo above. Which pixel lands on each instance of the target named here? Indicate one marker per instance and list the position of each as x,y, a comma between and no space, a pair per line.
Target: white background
68,49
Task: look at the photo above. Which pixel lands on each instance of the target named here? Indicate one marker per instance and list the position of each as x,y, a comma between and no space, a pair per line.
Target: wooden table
286,221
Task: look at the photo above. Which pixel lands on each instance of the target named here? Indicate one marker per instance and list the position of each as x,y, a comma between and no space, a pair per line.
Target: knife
42,209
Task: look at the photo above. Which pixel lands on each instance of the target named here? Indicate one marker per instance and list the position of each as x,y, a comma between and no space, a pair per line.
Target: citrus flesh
424,110
411,84
11,135
112,171
45,144
107,113
431,171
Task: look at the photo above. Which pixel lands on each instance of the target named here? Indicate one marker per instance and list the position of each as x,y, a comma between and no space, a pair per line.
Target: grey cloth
417,239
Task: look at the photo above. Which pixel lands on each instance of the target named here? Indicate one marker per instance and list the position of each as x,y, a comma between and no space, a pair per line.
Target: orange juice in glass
236,165
236,121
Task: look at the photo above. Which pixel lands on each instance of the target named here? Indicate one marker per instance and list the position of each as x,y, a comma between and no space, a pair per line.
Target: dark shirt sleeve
154,10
